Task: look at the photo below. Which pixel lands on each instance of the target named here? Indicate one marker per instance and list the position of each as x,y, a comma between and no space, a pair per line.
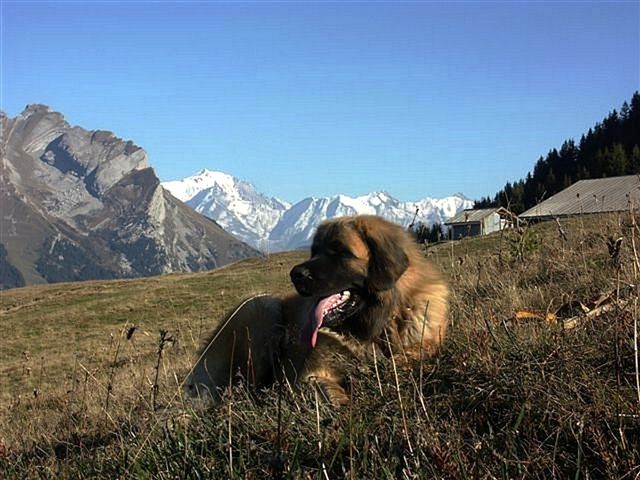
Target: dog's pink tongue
309,333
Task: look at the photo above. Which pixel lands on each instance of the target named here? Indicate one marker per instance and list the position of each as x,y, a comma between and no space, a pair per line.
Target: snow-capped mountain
272,225
297,226
233,203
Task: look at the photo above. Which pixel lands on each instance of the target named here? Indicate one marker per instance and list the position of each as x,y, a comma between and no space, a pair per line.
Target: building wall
491,224
465,230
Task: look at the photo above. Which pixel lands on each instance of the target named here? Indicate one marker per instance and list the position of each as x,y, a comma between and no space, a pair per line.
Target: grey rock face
82,205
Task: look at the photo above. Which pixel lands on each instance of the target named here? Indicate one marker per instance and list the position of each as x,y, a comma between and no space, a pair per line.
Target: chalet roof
596,195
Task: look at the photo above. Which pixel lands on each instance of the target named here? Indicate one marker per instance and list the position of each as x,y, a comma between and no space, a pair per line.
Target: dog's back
242,347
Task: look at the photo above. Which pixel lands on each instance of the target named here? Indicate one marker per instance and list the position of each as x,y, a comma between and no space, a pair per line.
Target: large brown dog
366,284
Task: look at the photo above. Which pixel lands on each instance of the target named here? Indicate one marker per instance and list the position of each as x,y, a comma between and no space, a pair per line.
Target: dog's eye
339,250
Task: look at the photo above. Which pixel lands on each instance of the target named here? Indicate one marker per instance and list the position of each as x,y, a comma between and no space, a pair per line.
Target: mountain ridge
79,205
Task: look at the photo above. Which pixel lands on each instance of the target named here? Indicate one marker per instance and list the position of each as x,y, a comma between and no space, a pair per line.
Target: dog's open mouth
330,311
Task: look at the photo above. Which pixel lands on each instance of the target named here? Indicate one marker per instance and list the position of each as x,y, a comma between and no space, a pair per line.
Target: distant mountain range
270,224
80,205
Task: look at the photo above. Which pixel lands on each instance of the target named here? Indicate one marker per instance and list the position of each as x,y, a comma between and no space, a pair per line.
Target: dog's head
353,260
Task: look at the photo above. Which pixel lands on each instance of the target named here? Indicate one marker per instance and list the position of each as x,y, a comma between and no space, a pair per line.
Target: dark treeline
608,149
427,234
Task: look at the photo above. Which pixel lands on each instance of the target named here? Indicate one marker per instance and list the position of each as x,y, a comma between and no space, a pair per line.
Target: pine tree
625,111
615,161
517,198
435,233
634,164
609,148
598,165
550,182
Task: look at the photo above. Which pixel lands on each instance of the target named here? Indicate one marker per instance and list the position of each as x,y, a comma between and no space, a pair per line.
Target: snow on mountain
189,187
233,203
272,225
297,226
437,210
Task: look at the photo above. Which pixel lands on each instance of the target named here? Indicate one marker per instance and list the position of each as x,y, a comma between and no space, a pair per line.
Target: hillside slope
84,391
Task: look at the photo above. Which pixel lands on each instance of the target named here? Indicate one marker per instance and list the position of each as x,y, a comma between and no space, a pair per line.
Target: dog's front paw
331,391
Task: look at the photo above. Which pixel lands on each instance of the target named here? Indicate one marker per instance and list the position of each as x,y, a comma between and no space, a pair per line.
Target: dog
366,285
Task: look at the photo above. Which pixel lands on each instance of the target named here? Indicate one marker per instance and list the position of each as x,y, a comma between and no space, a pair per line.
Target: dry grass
503,399
68,365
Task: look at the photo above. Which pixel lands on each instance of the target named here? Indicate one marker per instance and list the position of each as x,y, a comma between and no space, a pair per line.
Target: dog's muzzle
302,279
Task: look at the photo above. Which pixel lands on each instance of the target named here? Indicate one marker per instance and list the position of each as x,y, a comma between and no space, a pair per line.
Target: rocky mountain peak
99,157
35,127
35,108
82,204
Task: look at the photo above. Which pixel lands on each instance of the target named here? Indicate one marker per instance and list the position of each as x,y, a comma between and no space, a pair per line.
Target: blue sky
317,98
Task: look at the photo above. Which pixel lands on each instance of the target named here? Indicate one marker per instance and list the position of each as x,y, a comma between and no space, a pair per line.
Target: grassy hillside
89,384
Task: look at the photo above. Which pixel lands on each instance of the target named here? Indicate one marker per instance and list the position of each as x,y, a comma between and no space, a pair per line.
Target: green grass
502,399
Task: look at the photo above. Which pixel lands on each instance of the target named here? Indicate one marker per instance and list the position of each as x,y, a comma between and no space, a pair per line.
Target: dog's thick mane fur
412,313
404,313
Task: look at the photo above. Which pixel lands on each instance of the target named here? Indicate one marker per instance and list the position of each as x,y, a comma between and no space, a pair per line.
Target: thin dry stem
635,346
375,366
319,432
400,403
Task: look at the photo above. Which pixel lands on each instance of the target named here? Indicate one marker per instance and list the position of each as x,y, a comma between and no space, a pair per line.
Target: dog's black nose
300,274
301,278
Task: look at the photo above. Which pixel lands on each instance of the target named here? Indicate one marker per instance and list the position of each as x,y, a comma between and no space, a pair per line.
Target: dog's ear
387,258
